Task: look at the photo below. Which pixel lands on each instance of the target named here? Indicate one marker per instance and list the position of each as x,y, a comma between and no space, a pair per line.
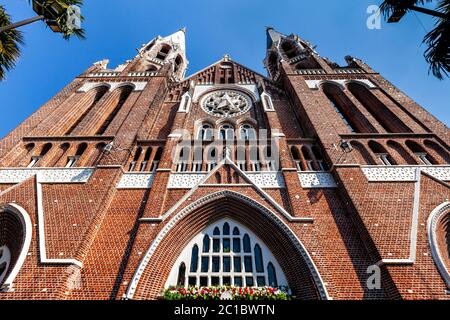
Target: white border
433,220
28,231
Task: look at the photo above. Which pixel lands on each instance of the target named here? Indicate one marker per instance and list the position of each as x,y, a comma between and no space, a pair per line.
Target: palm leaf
438,41
10,42
389,7
61,20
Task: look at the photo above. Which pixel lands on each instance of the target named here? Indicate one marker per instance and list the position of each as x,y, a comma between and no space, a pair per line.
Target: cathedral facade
320,178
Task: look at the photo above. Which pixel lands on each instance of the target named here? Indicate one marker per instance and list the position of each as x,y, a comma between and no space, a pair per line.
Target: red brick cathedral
322,178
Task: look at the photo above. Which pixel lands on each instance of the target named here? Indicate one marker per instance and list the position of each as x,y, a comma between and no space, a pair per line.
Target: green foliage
43,7
438,40
11,40
9,44
388,7
227,293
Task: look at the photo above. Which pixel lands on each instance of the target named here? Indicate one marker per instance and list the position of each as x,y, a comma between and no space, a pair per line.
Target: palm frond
438,41
388,7
10,42
61,20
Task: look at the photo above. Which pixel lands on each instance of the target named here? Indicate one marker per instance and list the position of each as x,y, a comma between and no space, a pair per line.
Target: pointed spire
178,39
273,36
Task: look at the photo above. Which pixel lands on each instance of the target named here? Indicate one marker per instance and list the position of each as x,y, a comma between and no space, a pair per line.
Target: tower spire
290,49
161,51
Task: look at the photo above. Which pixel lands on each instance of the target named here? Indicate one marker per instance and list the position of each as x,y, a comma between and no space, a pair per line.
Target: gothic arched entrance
287,254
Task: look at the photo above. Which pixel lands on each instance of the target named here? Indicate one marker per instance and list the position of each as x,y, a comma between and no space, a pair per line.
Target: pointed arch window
206,243
181,275
183,160
156,159
34,160
227,267
308,158
227,132
137,155
226,229
297,159
246,240
71,161
163,52
211,159
423,156
194,259
272,275
144,163
383,156
206,132
248,132
178,63
258,259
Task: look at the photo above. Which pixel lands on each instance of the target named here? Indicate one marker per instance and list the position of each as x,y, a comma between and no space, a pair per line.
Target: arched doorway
226,253
287,253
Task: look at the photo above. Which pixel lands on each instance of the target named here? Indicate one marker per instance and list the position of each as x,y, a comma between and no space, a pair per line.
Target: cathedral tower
136,179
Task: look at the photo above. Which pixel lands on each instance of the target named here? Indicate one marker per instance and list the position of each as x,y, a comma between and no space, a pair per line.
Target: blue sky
115,28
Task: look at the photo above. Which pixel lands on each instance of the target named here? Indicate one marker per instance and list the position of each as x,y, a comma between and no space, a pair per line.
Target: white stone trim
267,179
266,196
403,173
185,105
267,102
436,215
203,201
24,217
47,175
317,180
315,84
188,180
137,86
414,226
136,181
41,226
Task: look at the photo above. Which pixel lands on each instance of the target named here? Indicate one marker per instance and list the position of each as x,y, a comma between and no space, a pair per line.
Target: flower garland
227,293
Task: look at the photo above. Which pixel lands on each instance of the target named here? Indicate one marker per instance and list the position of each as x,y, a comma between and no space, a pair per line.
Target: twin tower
322,178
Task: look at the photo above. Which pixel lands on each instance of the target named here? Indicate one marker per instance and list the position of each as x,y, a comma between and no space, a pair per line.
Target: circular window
226,103
5,260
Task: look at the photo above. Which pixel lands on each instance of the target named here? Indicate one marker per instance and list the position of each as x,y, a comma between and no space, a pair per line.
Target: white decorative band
185,180
136,181
137,86
404,173
317,180
314,84
46,175
434,219
261,179
267,179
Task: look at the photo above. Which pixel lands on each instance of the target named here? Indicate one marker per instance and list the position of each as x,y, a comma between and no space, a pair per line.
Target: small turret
291,49
160,52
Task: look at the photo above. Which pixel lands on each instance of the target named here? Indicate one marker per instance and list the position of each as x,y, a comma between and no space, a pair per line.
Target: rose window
226,103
